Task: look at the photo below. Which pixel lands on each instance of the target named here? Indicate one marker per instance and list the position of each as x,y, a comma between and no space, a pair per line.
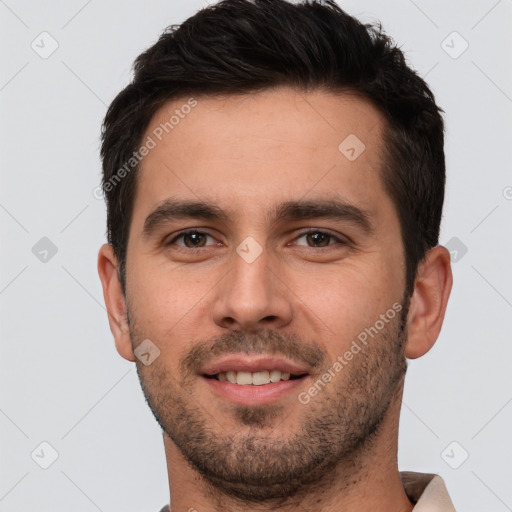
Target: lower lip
254,395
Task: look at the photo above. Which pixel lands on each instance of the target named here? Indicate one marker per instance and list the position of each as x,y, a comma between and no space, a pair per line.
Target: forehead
248,151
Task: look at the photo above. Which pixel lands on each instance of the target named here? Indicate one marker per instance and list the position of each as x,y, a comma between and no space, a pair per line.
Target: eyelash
339,240
188,232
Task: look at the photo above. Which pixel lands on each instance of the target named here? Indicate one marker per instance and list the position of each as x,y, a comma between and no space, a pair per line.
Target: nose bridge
249,274
251,297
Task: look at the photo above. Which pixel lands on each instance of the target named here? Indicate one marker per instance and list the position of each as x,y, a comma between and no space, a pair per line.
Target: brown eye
318,239
192,240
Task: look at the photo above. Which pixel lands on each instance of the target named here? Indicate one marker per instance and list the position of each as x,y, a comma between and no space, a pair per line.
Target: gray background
61,380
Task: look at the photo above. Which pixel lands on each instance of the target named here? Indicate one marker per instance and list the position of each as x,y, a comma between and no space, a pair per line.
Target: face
265,251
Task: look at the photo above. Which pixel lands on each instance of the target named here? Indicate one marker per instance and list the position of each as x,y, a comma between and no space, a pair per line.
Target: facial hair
261,464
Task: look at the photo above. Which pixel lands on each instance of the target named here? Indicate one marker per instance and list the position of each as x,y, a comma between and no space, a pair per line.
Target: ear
428,302
115,301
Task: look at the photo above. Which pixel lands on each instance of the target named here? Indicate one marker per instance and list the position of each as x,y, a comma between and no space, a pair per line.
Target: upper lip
252,364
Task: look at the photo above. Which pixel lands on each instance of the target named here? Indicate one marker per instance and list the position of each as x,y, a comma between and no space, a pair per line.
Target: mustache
291,346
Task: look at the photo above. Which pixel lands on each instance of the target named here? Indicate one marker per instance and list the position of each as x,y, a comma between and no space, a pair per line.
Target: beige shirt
427,491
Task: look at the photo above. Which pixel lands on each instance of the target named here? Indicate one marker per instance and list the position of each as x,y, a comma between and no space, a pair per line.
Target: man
274,178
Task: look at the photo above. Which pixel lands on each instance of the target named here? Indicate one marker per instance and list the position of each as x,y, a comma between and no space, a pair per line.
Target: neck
367,481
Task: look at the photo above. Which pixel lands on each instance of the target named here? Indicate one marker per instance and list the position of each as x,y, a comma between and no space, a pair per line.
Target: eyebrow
172,210
324,209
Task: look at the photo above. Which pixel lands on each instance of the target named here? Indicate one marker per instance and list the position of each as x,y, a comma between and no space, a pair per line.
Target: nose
252,296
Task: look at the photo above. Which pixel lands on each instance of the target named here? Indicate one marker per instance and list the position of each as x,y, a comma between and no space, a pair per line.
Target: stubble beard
260,464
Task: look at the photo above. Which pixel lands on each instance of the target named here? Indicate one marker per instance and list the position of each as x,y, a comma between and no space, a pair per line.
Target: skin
246,155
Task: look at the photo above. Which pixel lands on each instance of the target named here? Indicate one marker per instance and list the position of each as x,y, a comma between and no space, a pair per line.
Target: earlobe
428,302
115,301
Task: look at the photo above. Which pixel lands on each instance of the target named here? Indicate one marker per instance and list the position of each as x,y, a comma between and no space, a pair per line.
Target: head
308,160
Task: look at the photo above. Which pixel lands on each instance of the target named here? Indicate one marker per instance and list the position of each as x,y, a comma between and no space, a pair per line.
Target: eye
316,238
192,239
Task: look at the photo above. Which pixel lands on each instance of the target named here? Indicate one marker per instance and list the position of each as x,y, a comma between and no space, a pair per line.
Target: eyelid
188,231
340,238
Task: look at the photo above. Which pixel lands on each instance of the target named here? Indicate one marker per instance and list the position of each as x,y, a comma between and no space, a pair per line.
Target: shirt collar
427,491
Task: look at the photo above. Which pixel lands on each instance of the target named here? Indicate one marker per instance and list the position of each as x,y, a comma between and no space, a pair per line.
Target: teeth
259,378
255,379
243,378
275,376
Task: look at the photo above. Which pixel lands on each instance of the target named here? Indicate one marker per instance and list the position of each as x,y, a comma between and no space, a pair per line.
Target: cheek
349,299
165,302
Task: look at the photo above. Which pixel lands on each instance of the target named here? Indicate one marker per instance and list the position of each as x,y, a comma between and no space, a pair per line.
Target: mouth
253,379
